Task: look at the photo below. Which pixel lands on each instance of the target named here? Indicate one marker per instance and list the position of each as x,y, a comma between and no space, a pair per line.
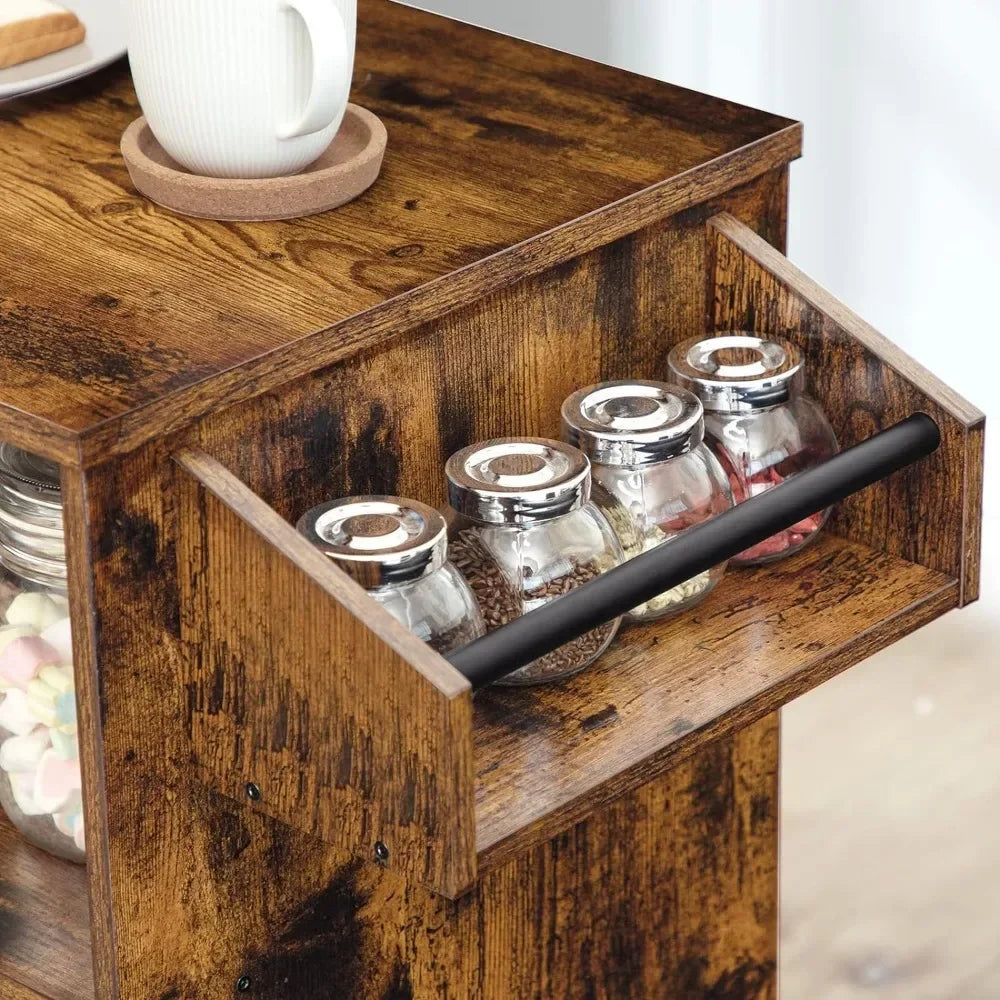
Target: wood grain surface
89,696
614,909
121,321
548,755
929,513
347,724
218,893
386,420
44,924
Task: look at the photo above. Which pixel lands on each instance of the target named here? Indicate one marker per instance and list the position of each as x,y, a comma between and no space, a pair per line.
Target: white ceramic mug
242,88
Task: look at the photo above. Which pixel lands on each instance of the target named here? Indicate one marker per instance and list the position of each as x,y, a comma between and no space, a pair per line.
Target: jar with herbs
759,421
40,780
645,444
397,550
524,531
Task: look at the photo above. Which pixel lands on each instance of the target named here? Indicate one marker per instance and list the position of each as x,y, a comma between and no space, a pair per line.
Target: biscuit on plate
30,29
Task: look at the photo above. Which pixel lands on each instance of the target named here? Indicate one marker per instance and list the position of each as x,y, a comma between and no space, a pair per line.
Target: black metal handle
696,550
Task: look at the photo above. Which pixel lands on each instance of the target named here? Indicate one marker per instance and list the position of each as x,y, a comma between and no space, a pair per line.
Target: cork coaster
348,168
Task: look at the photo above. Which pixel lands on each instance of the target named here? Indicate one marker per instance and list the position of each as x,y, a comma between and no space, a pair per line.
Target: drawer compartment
353,730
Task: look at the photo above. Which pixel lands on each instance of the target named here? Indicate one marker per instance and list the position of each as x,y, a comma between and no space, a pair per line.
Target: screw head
243,984
381,852
253,792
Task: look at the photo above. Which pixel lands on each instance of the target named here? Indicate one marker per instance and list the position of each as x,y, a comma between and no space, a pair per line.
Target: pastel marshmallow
22,753
80,838
69,819
59,636
64,744
23,658
22,788
11,632
66,711
15,715
35,609
43,703
58,678
55,781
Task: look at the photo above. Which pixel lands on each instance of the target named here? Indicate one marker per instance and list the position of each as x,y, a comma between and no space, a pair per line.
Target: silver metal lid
518,480
633,422
32,543
738,372
378,540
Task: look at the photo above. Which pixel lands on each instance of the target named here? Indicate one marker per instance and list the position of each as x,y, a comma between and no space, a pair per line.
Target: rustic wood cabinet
252,725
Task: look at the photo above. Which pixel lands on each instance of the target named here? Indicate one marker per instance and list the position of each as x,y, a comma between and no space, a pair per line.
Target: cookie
30,29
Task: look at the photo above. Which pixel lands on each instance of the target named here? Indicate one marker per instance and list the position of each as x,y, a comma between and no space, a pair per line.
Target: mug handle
328,37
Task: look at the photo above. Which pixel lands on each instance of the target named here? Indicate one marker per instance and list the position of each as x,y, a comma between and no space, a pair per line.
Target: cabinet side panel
669,892
927,513
299,688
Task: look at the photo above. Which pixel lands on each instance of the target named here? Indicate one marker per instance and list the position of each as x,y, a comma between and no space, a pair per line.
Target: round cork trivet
348,168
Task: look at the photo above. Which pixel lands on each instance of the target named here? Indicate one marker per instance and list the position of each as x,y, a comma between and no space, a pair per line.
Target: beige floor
891,819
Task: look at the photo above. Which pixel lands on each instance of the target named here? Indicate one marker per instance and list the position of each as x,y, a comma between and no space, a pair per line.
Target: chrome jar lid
633,422
737,372
32,543
378,540
518,480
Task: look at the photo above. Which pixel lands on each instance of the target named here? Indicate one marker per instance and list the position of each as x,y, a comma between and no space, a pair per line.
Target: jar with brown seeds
524,531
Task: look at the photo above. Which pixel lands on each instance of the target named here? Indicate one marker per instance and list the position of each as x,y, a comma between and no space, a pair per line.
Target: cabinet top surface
503,157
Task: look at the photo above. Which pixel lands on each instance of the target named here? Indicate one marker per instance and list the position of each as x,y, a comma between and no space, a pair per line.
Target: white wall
895,206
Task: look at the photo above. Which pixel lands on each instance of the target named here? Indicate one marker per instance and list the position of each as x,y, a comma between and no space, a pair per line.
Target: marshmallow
59,636
42,702
60,679
64,744
22,788
55,781
8,633
35,609
15,715
22,753
23,658
70,817
80,838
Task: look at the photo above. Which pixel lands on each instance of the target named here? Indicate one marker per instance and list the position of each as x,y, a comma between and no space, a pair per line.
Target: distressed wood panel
928,513
670,892
386,420
546,756
97,344
44,924
348,726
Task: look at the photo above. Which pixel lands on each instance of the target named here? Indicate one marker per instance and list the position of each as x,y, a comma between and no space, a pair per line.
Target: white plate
105,42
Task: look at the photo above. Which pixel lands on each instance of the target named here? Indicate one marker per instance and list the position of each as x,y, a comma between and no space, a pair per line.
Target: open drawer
307,699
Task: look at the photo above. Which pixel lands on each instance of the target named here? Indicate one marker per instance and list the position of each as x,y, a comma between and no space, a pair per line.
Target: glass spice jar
524,531
761,424
645,444
40,780
398,551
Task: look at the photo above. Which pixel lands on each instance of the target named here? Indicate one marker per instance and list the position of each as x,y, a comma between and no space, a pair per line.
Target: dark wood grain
927,513
44,924
541,223
547,756
614,909
349,726
386,420
76,513
98,344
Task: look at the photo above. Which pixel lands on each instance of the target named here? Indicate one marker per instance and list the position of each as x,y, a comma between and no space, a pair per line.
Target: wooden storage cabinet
542,223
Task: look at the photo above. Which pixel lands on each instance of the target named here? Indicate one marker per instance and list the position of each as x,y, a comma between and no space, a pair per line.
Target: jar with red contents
759,421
